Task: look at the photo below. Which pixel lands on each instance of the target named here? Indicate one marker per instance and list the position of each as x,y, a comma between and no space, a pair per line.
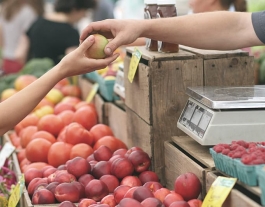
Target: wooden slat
139,132
177,163
213,54
157,56
117,122
199,152
236,71
138,92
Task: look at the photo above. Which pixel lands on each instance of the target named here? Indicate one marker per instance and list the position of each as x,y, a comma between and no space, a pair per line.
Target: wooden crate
116,119
185,155
243,196
157,95
225,68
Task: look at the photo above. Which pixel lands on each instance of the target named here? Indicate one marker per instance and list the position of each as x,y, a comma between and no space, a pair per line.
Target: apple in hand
96,51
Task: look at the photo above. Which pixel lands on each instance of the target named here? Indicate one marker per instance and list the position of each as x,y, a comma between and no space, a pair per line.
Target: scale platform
214,115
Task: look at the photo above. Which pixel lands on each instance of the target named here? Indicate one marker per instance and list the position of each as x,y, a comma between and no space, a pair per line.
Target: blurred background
17,50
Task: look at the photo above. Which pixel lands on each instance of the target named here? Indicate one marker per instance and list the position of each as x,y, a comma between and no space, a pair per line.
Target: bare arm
15,108
221,30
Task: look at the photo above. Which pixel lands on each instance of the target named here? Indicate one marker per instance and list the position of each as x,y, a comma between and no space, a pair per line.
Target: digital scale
214,115
119,88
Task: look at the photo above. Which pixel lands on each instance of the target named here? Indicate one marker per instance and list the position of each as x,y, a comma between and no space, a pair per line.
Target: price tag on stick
16,192
219,191
136,56
92,93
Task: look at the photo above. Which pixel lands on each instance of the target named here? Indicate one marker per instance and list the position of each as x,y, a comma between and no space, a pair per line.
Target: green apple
96,51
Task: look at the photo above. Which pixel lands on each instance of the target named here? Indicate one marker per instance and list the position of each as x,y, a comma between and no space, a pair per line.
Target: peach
180,204
85,179
61,167
96,51
78,166
101,168
195,203
142,193
172,197
33,183
40,186
152,202
113,158
86,202
49,171
64,178
32,173
161,194
120,152
67,192
81,189
51,186
129,202
96,190
132,149
90,158
119,192
109,199
131,181
188,186
66,204
43,196
103,153
147,176
111,181
122,167
129,193
140,160
153,186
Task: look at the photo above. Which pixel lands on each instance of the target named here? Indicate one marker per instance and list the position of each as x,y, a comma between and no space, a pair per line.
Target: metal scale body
214,115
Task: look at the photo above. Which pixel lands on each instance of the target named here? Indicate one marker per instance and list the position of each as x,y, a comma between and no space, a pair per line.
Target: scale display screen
195,118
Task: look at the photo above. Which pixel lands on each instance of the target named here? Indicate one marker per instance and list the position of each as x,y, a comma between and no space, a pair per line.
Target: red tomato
86,116
59,153
40,153
75,133
111,142
100,130
51,123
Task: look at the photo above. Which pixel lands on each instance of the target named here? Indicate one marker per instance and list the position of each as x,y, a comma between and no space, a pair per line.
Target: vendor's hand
76,63
122,32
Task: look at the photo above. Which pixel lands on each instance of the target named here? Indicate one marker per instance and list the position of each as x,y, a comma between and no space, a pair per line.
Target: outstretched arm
18,106
222,30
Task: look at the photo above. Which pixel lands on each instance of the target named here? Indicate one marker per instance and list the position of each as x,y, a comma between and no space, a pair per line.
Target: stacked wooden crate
156,97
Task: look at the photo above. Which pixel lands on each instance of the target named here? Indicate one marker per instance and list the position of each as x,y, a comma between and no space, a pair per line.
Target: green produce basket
218,160
106,87
261,180
93,76
247,174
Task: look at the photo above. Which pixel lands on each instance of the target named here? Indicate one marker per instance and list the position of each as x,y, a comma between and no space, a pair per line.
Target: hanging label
219,191
6,151
136,56
92,93
16,192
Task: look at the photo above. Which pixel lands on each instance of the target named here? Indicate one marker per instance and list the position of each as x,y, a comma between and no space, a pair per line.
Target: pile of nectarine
108,179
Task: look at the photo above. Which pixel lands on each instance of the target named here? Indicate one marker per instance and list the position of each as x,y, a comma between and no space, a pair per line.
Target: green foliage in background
36,67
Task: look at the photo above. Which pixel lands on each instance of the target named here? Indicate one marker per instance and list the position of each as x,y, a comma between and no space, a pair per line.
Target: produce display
240,159
8,180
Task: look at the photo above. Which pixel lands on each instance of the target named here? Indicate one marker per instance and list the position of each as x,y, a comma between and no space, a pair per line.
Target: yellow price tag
92,93
219,191
16,192
136,56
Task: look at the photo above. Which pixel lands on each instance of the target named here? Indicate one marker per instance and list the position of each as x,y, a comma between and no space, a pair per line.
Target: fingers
86,43
102,63
113,45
